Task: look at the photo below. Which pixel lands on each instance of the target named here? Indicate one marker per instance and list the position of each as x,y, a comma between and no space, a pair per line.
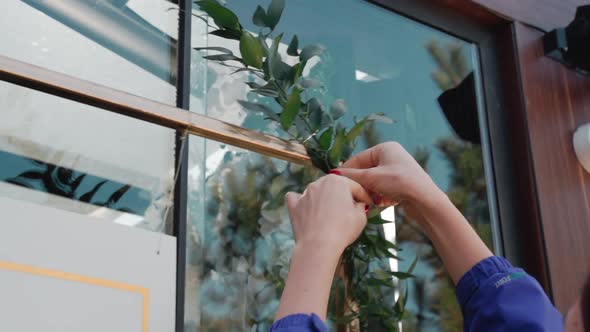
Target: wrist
433,204
318,251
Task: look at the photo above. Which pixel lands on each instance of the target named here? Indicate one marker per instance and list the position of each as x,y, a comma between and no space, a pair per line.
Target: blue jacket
494,296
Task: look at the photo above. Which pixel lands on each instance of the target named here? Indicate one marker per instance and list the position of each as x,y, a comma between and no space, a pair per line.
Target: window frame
497,152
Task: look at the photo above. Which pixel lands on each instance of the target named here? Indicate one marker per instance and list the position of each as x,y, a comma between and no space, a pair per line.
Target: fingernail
335,171
367,208
377,199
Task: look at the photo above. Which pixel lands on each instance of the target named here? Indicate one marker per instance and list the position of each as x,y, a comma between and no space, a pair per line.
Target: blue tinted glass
378,61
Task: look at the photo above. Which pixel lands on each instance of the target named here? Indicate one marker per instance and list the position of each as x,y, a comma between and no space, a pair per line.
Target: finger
389,202
365,159
360,176
361,209
362,212
359,194
291,200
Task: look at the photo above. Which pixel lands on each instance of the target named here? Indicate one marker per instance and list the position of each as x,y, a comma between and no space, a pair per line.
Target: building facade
111,114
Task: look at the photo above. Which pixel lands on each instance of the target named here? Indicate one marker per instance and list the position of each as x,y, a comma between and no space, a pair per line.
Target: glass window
239,238
126,45
378,61
75,157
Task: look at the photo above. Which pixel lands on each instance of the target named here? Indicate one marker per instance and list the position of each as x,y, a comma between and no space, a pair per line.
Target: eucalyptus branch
313,133
333,143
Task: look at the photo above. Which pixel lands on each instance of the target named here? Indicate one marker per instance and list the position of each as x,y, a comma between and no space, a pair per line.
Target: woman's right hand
389,170
392,176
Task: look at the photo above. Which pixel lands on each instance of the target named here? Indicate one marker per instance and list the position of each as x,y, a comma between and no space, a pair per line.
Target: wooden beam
109,99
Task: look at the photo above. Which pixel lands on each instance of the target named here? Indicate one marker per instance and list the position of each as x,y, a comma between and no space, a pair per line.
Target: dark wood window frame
504,143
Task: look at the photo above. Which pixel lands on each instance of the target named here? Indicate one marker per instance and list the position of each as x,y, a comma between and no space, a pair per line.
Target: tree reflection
245,241
467,190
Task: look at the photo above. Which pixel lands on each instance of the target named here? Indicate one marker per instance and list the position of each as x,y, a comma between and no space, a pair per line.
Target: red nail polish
377,199
367,208
335,171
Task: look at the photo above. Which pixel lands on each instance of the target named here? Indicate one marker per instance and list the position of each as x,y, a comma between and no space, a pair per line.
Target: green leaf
259,108
389,254
277,68
274,12
356,130
212,48
380,117
296,72
378,282
222,57
310,51
388,244
377,220
259,18
314,113
291,109
244,69
267,92
413,265
293,50
227,34
254,85
404,299
252,51
402,275
400,304
338,108
318,158
326,139
382,274
336,150
223,17
262,41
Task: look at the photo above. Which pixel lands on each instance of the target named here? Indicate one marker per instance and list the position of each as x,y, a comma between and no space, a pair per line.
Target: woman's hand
326,218
330,213
389,171
392,176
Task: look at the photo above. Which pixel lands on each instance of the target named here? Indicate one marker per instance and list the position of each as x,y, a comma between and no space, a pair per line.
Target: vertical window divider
181,156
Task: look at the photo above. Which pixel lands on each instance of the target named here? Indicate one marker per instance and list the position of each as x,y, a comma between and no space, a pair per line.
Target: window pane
425,79
75,157
127,45
239,236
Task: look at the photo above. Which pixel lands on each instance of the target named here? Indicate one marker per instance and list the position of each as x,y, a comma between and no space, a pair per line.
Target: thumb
291,200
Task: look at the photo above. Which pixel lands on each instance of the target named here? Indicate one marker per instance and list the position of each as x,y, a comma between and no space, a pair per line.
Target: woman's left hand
326,218
330,213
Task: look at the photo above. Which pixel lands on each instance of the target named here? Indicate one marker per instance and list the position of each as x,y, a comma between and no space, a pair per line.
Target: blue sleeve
495,296
299,323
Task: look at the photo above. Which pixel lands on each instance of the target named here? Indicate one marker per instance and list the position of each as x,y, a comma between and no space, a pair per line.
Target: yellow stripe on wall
144,292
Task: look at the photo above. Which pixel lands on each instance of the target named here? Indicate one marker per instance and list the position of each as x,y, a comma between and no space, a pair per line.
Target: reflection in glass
239,238
127,45
423,78
71,156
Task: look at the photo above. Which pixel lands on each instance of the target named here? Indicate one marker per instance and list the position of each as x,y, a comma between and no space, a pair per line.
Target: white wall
62,272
